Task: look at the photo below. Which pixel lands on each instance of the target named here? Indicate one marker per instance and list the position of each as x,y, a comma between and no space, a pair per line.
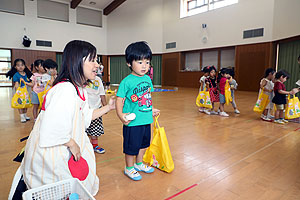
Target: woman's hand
74,148
112,103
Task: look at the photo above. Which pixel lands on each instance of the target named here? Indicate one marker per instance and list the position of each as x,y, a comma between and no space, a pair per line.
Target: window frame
11,64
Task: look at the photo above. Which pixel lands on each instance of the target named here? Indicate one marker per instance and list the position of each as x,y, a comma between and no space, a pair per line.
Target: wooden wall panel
170,68
251,62
105,64
171,75
31,55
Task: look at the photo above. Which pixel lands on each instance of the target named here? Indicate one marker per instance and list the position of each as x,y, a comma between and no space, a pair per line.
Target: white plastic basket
58,191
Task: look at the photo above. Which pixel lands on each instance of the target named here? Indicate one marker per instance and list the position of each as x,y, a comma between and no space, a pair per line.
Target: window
192,7
5,66
192,62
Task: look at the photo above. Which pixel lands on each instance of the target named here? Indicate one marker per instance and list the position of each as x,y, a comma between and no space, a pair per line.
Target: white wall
286,19
60,33
135,20
225,25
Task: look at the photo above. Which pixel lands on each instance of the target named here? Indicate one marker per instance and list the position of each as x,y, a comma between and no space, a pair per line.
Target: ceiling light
92,3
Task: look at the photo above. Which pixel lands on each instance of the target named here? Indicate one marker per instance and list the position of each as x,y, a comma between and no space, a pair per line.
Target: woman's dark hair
282,73
221,72
74,55
14,70
268,71
138,51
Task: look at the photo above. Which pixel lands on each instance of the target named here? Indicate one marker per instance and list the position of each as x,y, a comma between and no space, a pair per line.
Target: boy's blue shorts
136,138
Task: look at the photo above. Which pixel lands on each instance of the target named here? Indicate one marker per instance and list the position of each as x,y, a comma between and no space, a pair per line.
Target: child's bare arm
103,100
285,92
119,109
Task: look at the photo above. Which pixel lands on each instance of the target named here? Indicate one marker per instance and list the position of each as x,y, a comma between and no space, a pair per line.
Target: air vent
43,43
253,33
171,45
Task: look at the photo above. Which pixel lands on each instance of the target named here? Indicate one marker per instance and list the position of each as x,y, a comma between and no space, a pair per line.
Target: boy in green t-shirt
134,96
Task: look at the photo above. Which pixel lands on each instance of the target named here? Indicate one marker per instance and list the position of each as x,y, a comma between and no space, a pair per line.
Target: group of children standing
216,87
273,85
42,73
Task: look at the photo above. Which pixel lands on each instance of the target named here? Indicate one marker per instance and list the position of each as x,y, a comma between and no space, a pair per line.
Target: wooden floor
235,158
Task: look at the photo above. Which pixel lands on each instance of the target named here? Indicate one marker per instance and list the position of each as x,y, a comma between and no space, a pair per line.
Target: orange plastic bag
158,154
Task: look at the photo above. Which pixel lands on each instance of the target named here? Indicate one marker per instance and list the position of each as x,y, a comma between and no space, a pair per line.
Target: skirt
95,128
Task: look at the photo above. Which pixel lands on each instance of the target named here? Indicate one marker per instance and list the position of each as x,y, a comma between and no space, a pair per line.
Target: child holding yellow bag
280,96
203,87
222,79
266,86
134,97
19,72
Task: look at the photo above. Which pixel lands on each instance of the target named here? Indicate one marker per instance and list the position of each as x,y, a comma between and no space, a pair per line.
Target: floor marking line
297,129
115,158
236,163
182,191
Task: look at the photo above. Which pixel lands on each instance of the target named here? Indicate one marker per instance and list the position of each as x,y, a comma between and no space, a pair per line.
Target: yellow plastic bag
158,154
228,97
42,94
291,111
203,99
261,103
21,98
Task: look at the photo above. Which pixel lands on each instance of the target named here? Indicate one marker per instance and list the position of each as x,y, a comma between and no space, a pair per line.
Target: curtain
119,69
156,63
287,60
58,60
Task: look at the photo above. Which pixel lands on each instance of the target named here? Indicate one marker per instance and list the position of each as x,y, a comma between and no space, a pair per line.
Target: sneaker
27,118
206,111
201,110
144,168
213,112
224,114
236,111
271,116
265,118
132,174
262,116
285,121
278,121
97,149
23,119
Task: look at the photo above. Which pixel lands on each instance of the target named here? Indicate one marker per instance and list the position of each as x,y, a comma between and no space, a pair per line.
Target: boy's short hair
50,64
138,51
282,73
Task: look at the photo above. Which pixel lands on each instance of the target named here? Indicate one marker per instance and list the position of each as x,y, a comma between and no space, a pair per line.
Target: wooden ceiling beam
112,6
75,3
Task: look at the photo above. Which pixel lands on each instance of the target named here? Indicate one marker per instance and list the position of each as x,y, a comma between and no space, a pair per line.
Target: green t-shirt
137,93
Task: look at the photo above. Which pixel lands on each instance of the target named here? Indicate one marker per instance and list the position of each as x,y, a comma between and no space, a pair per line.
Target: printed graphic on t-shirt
94,85
142,95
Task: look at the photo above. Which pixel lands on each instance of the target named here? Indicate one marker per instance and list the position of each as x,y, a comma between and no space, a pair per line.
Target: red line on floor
182,191
297,129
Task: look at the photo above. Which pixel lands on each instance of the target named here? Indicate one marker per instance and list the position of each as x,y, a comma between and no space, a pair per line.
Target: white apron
66,116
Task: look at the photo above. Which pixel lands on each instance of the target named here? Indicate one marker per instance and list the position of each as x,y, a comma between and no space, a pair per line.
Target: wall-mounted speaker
26,41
